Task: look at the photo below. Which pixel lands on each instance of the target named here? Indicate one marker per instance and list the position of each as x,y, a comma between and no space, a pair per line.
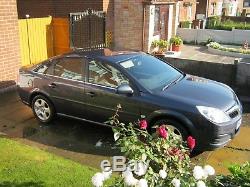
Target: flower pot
176,47
159,54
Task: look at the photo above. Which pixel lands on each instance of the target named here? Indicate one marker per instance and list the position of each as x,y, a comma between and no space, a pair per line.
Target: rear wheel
43,109
172,125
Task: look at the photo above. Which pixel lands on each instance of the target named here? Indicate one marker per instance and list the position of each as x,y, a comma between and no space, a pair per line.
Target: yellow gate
36,40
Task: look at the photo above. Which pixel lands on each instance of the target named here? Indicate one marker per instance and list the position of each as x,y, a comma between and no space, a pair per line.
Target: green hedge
215,23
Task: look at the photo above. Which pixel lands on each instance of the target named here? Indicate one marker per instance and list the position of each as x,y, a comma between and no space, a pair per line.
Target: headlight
213,114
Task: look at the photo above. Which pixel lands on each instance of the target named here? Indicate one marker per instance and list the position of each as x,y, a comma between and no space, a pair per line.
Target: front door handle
91,94
52,85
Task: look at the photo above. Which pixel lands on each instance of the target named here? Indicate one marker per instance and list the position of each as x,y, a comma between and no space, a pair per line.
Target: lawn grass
22,165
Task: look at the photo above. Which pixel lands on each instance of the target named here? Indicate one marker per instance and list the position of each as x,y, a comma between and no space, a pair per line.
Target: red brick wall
201,7
128,24
108,7
9,45
184,10
64,7
55,8
35,8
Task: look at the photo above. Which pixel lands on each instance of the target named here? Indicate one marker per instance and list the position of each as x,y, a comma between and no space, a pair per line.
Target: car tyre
173,125
43,109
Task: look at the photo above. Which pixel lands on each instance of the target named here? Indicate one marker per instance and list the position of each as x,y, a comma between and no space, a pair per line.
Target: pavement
197,52
89,144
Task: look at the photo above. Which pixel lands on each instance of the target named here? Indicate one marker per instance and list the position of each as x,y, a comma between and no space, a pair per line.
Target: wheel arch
38,92
180,118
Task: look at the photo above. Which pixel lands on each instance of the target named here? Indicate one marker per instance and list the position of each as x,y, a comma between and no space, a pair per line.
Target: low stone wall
225,73
201,35
243,74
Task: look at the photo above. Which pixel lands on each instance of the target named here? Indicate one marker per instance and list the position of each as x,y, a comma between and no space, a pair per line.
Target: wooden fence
41,38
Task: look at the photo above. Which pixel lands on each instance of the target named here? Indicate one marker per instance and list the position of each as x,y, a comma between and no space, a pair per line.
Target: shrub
240,176
228,25
213,21
163,157
216,45
185,24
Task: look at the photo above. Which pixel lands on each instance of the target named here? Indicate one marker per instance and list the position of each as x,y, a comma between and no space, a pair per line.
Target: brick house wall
55,8
184,10
201,7
108,7
9,45
35,8
62,8
206,7
128,24
134,25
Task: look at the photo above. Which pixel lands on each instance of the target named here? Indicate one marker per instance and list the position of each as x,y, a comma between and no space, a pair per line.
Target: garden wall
237,76
243,74
216,71
201,35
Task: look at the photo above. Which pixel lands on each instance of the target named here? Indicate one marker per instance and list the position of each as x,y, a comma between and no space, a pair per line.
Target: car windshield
150,72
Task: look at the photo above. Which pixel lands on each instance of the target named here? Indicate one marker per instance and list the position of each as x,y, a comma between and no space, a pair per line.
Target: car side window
105,74
69,68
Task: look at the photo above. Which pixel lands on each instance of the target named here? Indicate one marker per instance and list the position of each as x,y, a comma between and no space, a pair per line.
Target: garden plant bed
233,51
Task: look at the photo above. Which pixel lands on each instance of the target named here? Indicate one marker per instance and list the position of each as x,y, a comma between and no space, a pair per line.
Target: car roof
106,54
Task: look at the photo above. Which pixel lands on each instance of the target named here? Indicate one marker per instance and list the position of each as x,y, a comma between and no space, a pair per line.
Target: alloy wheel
42,109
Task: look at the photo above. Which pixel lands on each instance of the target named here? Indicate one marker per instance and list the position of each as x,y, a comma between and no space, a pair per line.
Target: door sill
82,119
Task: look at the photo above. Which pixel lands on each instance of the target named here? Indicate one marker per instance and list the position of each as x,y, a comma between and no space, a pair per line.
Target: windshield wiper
171,83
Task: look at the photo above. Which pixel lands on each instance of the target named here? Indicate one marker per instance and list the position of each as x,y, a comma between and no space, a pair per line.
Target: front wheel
43,109
172,125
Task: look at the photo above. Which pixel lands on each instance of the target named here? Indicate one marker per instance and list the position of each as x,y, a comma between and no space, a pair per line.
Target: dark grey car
88,85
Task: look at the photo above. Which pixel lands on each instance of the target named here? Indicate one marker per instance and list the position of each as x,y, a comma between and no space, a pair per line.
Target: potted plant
160,46
176,42
155,46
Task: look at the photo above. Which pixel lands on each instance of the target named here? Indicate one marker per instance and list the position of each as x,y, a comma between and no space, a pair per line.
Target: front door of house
164,21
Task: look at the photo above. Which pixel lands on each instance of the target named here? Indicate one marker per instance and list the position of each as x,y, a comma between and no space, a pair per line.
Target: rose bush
167,156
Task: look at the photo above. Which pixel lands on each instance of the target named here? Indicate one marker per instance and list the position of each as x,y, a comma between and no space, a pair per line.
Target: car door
66,85
102,97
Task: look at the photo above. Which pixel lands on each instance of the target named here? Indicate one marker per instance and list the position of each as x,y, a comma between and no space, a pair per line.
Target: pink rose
162,132
143,124
191,142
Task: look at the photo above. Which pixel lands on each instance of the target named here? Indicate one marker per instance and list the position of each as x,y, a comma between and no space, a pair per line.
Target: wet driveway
89,144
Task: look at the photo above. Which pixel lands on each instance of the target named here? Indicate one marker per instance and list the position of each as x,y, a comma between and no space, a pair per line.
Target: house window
213,8
157,20
246,3
189,12
219,8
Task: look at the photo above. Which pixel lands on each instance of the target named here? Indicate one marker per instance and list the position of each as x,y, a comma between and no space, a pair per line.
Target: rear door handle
52,85
91,94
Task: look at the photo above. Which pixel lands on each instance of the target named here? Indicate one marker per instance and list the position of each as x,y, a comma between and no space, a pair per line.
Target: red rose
162,132
191,142
143,124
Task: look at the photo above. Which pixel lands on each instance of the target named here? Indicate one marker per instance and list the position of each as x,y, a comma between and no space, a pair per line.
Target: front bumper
225,134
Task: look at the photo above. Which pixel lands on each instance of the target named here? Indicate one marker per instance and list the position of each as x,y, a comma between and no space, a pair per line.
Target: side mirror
125,89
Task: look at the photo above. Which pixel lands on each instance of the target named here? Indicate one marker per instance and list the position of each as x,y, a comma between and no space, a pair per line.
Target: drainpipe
207,7
143,27
27,28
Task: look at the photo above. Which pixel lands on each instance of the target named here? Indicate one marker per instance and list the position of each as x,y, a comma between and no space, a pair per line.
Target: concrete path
200,53
89,144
